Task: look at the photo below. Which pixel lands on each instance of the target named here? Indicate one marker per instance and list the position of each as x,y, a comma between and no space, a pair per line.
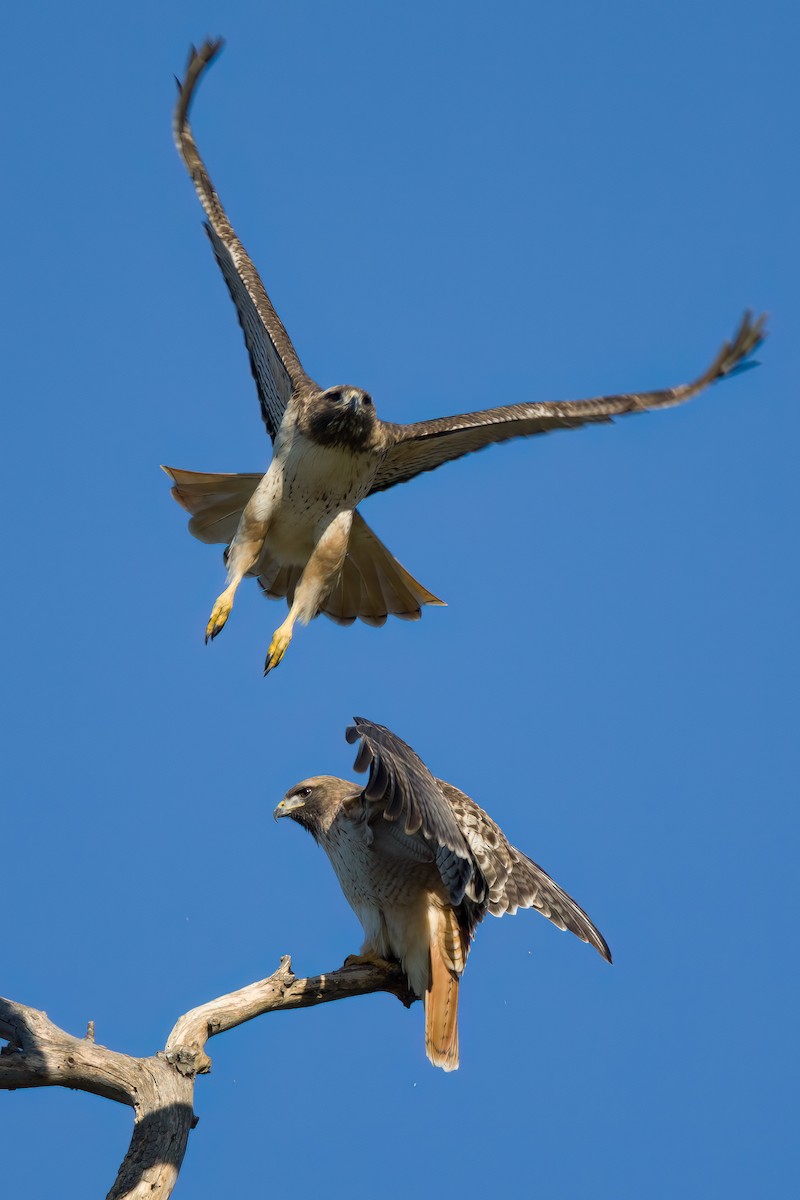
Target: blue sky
453,206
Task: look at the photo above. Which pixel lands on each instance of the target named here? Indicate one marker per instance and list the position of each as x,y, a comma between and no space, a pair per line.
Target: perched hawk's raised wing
490,874
513,880
425,445
402,788
273,360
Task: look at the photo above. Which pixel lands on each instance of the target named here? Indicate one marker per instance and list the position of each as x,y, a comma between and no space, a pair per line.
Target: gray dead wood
160,1089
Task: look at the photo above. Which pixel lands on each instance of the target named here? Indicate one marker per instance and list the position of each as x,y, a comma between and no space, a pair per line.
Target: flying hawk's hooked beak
287,806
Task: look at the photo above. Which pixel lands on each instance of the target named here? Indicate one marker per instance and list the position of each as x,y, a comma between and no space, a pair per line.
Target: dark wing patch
512,879
273,382
426,445
276,368
402,786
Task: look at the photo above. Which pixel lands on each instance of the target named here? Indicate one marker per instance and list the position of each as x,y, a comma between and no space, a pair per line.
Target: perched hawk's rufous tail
448,959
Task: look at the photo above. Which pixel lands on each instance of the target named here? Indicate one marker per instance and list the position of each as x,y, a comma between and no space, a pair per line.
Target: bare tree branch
42,1055
185,1045
160,1089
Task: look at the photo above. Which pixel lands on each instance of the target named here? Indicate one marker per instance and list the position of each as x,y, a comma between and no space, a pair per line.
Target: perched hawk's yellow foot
367,960
219,615
277,648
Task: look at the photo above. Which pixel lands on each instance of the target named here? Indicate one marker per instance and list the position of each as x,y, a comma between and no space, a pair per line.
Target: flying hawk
421,864
297,528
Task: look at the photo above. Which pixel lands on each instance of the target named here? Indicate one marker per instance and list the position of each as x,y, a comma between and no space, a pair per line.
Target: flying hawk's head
341,416
315,802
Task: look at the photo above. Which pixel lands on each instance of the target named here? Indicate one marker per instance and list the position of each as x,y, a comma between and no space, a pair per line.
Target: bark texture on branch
160,1089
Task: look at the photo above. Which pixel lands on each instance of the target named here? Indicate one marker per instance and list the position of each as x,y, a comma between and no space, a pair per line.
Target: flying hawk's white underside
305,488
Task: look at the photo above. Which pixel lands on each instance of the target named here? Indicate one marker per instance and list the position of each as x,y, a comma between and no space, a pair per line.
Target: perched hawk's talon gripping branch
368,960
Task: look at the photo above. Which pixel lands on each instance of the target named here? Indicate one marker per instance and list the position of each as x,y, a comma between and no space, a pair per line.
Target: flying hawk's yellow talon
219,615
277,648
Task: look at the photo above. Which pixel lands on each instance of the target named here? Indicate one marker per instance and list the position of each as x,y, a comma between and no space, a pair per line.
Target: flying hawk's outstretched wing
276,368
425,445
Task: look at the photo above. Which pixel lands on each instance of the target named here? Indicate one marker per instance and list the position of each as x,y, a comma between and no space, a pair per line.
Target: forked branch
160,1089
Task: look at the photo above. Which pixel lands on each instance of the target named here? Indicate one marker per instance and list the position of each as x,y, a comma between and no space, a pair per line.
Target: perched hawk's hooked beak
287,806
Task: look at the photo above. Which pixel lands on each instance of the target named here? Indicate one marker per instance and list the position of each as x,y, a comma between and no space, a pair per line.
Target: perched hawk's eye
367,399
304,793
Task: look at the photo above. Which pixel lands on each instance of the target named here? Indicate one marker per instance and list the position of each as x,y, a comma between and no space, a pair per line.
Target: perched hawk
421,864
297,527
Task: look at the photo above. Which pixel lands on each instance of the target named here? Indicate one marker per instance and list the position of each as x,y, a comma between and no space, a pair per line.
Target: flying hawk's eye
304,793
367,398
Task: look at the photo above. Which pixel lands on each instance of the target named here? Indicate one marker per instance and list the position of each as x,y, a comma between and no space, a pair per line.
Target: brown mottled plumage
421,864
296,528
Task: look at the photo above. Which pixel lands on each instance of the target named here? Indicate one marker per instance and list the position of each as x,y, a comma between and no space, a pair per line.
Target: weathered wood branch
160,1089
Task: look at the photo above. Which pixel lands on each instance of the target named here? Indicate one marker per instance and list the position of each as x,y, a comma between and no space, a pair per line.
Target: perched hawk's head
341,416
315,803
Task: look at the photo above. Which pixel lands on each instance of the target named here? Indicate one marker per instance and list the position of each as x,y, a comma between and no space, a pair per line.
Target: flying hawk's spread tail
371,586
215,502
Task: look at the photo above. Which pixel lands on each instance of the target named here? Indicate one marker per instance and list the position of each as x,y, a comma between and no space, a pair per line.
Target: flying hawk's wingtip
209,50
753,331
197,63
741,367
